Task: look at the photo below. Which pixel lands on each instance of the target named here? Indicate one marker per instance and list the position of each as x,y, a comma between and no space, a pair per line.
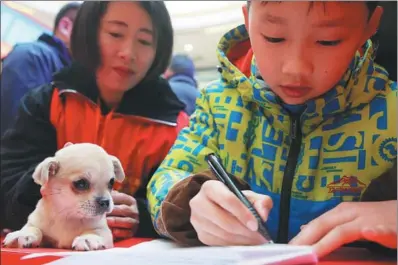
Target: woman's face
127,47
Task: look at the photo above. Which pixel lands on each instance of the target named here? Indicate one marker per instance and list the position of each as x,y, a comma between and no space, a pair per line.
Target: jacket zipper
288,176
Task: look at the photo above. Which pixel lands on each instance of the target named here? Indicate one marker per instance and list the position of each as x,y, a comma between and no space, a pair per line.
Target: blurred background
198,26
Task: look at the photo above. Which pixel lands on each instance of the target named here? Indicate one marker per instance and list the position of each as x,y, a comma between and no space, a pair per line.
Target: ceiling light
188,47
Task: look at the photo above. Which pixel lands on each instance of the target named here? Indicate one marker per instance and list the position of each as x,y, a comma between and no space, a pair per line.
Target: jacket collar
153,99
58,45
183,79
352,91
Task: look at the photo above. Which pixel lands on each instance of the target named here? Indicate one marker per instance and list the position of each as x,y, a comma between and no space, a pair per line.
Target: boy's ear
245,11
373,23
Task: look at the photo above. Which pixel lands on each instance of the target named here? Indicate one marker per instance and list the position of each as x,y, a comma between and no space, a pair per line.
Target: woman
112,96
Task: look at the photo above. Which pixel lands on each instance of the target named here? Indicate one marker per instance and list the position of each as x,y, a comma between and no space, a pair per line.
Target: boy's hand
349,222
221,219
123,220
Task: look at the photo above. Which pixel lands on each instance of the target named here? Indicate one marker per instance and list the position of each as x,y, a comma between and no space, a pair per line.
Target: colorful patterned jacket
307,164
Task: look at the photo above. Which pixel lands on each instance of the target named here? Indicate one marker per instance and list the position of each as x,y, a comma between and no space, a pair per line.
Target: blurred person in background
113,96
181,76
30,65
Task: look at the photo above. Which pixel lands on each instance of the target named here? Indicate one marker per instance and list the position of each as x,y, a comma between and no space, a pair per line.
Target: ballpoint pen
222,176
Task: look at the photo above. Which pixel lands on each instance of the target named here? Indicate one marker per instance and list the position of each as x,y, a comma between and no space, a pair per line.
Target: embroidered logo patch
346,186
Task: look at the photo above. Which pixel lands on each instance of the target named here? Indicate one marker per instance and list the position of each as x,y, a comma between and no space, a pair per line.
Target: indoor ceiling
198,25
201,44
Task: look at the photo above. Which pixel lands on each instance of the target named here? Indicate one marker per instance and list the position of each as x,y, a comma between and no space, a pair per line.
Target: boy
305,122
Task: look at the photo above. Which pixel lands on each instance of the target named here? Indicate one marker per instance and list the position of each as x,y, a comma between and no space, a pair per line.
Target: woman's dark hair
84,39
370,4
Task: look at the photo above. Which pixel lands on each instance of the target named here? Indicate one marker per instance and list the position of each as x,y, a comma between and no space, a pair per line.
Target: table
344,256
12,256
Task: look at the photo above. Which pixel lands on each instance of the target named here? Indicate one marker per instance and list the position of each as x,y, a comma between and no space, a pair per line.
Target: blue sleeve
23,69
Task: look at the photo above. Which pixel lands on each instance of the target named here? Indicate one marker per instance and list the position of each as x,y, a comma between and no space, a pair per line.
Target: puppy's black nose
103,203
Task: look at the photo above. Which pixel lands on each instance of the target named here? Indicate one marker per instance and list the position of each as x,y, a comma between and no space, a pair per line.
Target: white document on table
161,252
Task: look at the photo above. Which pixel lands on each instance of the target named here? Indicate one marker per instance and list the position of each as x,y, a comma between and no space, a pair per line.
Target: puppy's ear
68,144
48,168
117,167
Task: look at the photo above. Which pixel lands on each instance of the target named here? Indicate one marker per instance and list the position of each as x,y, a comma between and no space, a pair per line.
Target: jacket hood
360,84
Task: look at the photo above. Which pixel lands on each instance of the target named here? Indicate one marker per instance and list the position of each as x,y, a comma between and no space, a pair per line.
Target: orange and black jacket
140,133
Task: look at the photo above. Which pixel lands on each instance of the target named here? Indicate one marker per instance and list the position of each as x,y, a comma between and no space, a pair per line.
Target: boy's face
302,50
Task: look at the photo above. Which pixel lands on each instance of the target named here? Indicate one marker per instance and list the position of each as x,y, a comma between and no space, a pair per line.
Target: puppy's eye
81,184
111,182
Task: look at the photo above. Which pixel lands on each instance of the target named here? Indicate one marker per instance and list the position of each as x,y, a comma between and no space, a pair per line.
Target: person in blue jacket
181,77
30,65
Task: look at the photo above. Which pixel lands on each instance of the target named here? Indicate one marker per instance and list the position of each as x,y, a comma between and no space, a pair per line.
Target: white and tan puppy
76,189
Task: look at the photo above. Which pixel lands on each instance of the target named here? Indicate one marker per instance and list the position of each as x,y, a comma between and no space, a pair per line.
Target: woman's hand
349,222
221,219
124,219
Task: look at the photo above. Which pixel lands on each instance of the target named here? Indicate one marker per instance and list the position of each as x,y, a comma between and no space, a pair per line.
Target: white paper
161,252
158,244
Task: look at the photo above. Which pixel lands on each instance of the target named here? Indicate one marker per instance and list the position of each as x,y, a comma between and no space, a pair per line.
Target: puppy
76,189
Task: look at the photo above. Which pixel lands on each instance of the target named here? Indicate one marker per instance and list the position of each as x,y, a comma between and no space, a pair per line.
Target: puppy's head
78,180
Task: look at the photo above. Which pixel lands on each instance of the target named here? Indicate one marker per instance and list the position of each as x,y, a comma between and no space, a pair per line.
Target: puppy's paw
88,242
22,239
11,240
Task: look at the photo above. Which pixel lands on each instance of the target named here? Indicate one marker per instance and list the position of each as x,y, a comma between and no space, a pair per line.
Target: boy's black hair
84,39
370,4
64,11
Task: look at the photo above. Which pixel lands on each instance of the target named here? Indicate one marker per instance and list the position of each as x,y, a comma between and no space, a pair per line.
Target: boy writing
304,121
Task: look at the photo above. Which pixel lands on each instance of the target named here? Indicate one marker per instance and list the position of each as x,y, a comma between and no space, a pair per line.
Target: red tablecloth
344,256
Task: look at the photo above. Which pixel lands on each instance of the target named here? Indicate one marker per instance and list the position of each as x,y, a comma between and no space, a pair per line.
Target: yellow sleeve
187,156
